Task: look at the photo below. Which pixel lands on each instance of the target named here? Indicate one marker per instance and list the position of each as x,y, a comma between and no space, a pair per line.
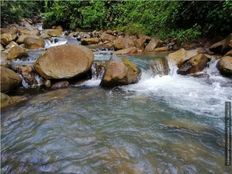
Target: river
169,124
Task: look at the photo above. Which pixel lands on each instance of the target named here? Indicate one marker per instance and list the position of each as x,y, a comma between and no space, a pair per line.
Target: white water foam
55,42
198,95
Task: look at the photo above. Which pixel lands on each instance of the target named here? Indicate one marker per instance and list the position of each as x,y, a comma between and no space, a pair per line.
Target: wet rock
73,34
193,65
48,83
9,79
120,72
27,23
98,68
131,50
111,32
123,42
59,85
160,49
52,32
225,65
107,37
64,62
3,59
7,100
21,38
1,47
34,42
28,32
141,41
28,74
6,38
11,44
13,29
82,35
89,41
15,52
222,46
154,43
179,56
229,53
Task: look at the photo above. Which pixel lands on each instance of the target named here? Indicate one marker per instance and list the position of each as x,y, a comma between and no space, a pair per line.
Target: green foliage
12,11
184,20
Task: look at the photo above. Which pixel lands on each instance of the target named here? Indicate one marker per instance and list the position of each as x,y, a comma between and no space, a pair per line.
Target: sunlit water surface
163,124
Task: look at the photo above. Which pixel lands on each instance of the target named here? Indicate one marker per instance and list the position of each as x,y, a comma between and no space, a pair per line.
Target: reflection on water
93,130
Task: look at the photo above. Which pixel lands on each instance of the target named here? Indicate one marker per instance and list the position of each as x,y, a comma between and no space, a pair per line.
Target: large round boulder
64,62
9,79
120,72
225,65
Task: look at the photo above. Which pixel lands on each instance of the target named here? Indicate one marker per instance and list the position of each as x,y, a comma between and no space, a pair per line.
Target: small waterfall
30,79
97,69
160,67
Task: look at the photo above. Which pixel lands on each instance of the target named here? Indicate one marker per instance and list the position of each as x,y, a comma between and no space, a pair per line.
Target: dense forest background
184,20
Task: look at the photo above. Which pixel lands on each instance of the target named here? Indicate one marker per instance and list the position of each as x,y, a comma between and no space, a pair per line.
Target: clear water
163,124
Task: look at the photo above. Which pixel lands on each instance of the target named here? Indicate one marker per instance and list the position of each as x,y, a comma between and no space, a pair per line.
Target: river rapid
168,124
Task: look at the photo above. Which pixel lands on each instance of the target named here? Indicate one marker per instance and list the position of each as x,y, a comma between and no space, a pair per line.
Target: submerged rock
64,62
7,100
9,79
193,65
225,65
34,42
120,72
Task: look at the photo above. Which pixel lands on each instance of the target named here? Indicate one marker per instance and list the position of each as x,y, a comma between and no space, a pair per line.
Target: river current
169,124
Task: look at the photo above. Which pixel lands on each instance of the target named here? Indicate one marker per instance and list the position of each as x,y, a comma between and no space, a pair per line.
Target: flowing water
164,124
